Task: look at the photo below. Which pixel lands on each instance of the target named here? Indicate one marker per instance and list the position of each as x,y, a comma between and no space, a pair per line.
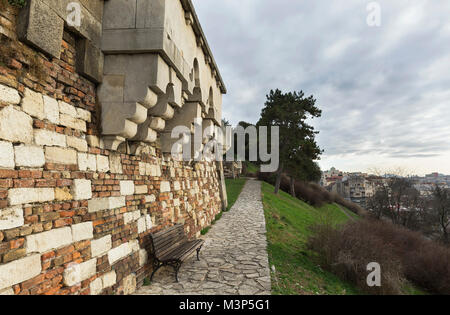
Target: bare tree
441,211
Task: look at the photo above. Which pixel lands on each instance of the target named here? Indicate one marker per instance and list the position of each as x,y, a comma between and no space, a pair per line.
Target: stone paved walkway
233,260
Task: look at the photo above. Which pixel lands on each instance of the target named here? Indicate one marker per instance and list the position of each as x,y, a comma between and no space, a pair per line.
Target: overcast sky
384,91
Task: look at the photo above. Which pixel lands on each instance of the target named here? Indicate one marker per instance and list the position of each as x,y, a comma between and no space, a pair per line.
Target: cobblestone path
233,260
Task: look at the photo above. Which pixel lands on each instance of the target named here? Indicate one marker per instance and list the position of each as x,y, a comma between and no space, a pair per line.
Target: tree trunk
278,181
293,187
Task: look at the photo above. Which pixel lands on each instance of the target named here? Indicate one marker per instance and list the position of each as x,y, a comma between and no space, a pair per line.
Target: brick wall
75,218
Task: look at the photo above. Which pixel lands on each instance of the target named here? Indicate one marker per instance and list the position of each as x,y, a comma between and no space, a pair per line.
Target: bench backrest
168,239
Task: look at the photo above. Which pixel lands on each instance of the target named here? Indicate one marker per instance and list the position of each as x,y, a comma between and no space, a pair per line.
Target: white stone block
71,122
7,291
84,115
141,189
49,138
15,126
109,279
19,196
176,186
61,156
148,222
82,189
11,218
100,204
142,168
102,164
33,104
118,253
29,156
6,155
77,143
150,198
9,95
46,241
165,187
143,257
82,231
142,225
96,286
87,162
76,273
19,271
134,245
101,246
115,162
51,109
65,108
127,187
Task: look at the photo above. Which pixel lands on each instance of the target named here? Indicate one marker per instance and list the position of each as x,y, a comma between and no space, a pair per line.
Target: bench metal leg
198,252
156,267
177,267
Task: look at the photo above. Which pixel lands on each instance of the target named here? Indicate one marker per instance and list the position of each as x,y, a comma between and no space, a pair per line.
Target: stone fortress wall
84,136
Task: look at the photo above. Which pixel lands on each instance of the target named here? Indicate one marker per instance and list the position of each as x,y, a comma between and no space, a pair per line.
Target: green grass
297,269
252,168
234,189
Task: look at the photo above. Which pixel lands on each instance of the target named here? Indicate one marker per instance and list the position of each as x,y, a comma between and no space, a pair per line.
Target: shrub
402,254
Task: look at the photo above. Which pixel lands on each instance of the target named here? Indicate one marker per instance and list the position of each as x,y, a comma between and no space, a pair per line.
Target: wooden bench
171,247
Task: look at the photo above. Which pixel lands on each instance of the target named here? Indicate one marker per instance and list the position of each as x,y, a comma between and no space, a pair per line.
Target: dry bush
402,254
347,251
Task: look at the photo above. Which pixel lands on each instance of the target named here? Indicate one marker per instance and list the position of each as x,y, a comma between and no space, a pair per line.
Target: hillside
297,270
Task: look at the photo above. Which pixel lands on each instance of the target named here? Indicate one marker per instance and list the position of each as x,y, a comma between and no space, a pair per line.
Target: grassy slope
297,270
234,188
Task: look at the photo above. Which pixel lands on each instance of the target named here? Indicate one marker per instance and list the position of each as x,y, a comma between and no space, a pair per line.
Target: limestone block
63,194
148,222
87,162
9,95
101,246
65,108
109,279
176,186
96,286
15,126
71,122
89,60
11,218
41,27
102,164
129,217
61,156
76,273
142,226
84,115
33,104
82,231
142,168
29,156
94,141
51,109
143,257
77,143
150,198
165,187
127,188
6,155
115,162
19,196
19,271
82,189
49,138
157,123
46,241
100,204
129,284
7,291
134,245
141,189
118,253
